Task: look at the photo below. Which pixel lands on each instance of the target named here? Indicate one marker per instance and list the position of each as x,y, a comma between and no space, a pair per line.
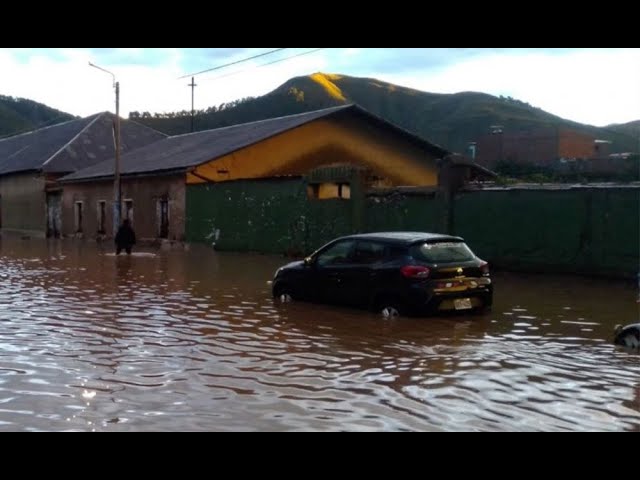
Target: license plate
462,303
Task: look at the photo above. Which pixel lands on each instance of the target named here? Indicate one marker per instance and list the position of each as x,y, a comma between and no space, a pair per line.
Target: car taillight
484,268
415,271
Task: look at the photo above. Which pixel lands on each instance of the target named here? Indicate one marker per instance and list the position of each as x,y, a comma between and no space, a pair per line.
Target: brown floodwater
191,340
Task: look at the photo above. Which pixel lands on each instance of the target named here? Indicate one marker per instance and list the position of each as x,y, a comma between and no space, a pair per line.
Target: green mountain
630,128
450,120
19,115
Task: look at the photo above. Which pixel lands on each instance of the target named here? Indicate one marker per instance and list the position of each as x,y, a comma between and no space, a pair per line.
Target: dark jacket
125,236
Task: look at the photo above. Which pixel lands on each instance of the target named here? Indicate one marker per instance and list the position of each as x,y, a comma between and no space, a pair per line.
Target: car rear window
442,252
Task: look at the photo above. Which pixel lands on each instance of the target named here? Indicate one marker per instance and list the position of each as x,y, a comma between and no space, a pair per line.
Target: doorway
54,214
163,218
128,210
79,216
102,217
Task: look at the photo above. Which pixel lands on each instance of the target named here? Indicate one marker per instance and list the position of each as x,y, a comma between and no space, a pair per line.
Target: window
442,252
336,254
102,216
367,253
344,190
394,252
325,191
78,217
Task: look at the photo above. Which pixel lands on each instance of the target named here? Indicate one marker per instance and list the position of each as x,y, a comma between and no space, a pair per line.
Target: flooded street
174,340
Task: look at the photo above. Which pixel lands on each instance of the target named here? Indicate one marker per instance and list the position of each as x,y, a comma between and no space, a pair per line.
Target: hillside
19,114
451,120
630,128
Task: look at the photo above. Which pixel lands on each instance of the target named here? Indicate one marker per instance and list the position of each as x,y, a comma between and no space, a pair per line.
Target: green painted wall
409,213
589,230
615,230
270,216
586,230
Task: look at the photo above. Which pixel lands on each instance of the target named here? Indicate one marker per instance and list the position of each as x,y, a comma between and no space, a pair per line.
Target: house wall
144,192
537,146
533,147
575,145
22,203
340,140
488,150
540,146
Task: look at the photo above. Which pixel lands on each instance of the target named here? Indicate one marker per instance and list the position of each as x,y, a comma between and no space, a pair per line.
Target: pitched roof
181,152
458,160
29,151
70,146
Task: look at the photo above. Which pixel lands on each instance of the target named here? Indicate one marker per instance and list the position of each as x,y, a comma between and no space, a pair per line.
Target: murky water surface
168,340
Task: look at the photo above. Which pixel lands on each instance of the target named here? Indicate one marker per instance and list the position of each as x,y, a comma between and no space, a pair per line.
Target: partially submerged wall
581,229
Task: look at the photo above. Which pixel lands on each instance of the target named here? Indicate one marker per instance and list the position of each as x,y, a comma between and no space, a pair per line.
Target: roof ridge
97,116
129,120
11,137
339,107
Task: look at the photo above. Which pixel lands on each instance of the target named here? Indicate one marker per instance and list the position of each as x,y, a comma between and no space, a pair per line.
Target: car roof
406,238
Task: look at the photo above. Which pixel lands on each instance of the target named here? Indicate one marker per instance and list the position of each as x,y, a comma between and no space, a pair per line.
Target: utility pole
192,85
117,193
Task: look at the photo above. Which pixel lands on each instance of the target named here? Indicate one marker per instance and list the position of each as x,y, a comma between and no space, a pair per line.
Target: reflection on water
192,341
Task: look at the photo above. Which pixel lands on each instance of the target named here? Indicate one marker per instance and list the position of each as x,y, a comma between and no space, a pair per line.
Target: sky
597,86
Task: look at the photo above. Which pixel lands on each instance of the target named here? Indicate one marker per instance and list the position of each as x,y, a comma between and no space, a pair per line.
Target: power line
265,64
233,63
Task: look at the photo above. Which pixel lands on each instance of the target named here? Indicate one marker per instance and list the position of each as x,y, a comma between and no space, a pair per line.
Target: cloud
597,86
405,60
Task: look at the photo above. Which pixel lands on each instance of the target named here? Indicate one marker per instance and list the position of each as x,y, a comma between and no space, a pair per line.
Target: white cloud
597,86
348,52
73,86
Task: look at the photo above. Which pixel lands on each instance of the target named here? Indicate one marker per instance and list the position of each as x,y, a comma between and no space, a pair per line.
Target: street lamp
116,181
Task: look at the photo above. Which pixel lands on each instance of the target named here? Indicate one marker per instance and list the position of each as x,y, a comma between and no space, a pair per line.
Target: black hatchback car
393,273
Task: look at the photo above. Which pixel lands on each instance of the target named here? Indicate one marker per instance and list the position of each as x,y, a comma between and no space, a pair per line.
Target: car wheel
282,294
390,311
389,308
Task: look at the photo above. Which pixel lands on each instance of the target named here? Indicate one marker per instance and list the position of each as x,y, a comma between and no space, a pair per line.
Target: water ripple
192,341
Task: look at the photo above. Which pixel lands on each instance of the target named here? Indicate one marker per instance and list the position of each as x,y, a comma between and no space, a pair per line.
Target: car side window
394,252
367,253
337,254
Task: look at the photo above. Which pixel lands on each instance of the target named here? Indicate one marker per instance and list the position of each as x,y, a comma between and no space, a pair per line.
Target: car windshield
442,252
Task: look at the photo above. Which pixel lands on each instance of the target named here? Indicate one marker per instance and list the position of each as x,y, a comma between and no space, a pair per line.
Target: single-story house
156,179
32,162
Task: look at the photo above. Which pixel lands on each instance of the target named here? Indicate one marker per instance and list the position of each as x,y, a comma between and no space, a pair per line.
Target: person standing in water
125,238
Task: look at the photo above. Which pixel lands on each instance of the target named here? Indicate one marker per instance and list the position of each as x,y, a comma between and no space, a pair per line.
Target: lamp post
117,195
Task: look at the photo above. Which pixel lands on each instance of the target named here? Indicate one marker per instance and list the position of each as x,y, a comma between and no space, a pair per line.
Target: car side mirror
308,261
